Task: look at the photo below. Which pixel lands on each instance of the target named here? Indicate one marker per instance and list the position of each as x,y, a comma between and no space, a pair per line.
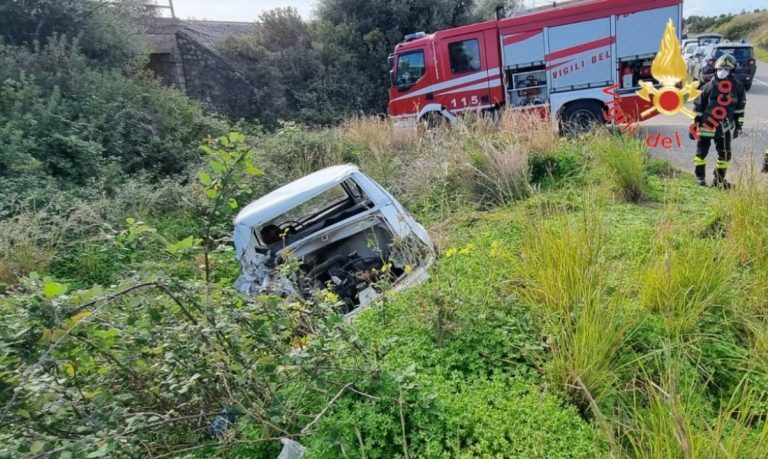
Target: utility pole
164,7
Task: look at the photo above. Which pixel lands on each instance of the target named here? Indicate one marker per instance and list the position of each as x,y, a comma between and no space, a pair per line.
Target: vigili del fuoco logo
668,68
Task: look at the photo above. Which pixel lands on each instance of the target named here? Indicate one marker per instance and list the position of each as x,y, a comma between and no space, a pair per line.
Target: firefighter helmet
726,61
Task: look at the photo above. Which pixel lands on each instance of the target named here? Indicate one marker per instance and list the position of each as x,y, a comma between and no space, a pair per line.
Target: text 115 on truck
557,60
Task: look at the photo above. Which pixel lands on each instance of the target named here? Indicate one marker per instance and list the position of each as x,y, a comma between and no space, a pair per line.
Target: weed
560,262
684,283
621,160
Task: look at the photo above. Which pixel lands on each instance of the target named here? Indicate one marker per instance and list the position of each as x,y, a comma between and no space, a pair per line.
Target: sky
249,10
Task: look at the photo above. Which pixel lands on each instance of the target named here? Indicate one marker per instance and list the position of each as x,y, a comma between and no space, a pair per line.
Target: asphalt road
748,149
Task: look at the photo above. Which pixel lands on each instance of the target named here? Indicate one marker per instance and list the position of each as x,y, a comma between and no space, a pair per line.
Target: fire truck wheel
433,120
581,116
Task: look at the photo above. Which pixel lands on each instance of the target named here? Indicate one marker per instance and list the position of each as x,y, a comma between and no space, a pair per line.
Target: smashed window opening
334,229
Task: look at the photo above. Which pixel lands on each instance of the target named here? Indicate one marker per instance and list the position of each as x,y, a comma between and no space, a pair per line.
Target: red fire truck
562,60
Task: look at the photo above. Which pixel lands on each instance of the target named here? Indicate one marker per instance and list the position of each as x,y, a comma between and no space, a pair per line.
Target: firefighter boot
720,170
700,170
765,162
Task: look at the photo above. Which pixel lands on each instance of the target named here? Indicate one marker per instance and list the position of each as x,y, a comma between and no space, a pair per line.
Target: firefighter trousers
722,141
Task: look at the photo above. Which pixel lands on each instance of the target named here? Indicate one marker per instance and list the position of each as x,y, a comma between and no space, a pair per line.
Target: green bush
458,416
742,26
111,37
65,124
564,163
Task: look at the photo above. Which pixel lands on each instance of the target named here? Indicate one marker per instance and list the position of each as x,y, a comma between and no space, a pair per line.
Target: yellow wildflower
468,249
331,297
496,249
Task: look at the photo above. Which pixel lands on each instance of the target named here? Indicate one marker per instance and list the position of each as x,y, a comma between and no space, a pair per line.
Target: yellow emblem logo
668,68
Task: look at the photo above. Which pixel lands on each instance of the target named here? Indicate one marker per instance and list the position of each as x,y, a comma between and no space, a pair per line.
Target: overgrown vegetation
586,301
560,321
77,112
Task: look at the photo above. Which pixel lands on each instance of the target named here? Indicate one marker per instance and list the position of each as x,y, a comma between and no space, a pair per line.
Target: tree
280,60
362,33
110,34
486,9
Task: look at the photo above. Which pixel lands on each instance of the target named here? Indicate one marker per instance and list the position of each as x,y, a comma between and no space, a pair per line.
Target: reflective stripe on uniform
698,161
705,133
721,164
740,114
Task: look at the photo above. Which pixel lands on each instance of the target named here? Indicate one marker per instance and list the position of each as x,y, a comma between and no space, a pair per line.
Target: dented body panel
345,243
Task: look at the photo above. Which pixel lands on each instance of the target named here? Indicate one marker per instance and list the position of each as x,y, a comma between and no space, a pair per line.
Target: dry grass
535,134
482,159
30,240
499,173
378,135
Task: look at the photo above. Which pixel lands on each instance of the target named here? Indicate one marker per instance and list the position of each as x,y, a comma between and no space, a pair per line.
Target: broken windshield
331,206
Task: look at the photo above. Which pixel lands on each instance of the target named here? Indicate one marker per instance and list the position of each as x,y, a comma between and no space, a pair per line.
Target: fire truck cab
563,60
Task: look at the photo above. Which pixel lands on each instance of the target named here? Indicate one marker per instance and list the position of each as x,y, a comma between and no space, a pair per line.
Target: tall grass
535,134
76,231
745,211
670,419
621,160
560,261
497,172
26,244
563,274
684,283
481,161
584,355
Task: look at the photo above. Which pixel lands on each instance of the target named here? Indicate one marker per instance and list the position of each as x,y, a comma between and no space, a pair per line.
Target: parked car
746,64
686,42
695,61
706,39
335,229
688,51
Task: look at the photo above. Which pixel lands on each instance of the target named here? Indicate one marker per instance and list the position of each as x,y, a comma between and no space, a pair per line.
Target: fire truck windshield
410,68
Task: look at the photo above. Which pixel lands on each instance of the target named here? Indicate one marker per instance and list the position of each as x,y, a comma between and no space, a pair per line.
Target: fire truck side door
465,66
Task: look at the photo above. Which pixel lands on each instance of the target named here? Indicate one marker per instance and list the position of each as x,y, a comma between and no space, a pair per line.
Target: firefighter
720,117
765,161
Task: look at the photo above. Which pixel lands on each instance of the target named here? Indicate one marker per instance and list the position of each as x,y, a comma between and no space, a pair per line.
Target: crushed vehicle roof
285,198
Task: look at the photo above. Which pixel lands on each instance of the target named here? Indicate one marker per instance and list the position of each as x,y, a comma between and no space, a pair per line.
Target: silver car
336,229
688,51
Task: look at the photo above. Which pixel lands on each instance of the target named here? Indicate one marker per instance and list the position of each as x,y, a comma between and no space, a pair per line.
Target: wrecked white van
336,229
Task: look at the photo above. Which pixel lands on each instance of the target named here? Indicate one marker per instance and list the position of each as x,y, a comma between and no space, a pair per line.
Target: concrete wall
183,54
213,81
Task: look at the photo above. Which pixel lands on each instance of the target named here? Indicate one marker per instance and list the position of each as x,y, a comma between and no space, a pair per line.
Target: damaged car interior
341,239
